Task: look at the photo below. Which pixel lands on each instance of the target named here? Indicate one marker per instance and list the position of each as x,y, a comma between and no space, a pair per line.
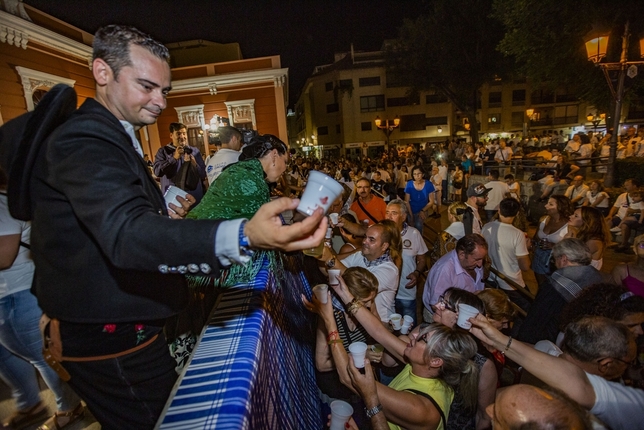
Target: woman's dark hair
454,296
262,145
564,207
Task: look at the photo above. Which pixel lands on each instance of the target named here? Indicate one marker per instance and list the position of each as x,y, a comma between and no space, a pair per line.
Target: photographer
179,164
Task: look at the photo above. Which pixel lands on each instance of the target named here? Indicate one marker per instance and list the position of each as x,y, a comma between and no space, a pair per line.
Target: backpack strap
434,402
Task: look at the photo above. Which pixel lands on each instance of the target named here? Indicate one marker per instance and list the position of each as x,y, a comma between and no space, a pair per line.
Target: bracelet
334,333
354,305
332,341
373,411
507,347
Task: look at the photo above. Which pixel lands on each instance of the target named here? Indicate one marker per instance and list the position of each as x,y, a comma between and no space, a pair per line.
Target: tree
451,49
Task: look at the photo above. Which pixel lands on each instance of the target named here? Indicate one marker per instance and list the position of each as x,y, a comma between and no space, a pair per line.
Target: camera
170,148
187,150
247,135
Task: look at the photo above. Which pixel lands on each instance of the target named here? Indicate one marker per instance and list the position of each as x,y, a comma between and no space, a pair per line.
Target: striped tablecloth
253,365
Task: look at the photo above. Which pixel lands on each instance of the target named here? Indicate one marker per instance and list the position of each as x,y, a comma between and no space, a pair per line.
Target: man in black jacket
109,260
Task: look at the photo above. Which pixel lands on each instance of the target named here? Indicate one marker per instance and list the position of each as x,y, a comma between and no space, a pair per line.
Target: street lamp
526,125
596,46
388,127
595,119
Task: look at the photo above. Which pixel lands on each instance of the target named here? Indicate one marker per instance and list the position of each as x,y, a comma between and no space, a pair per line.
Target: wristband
507,347
373,411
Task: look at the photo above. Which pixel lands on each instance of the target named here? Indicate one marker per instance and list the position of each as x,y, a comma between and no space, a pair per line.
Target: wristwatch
373,411
244,242
331,263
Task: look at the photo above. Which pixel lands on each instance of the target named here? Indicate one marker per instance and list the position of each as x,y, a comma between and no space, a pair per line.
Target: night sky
304,33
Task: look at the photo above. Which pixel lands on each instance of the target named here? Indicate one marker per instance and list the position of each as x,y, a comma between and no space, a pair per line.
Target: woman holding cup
437,357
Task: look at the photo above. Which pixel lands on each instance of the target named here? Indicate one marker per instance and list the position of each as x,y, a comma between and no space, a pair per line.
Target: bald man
519,406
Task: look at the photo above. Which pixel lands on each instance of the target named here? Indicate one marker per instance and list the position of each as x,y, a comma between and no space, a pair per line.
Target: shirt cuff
227,243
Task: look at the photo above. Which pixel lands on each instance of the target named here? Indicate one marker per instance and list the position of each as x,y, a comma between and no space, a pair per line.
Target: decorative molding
213,89
191,116
34,79
17,31
240,111
217,82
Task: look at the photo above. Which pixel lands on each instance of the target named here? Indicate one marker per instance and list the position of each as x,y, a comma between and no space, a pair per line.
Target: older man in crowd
370,209
574,273
375,257
414,250
577,191
460,268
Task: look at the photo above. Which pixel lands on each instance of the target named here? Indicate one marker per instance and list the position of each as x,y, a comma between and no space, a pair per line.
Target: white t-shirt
413,245
217,162
496,194
505,243
515,190
18,277
625,202
573,192
618,406
387,275
442,170
591,199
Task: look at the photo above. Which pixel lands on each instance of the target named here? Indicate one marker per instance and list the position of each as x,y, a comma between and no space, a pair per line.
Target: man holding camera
169,163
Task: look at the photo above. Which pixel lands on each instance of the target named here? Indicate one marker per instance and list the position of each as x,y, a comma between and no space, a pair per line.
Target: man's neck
506,219
366,199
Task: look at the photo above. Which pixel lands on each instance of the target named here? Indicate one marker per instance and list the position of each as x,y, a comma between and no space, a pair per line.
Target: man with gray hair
574,272
413,265
231,143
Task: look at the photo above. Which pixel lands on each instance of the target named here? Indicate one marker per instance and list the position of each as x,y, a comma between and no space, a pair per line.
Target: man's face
372,245
395,214
481,201
473,260
575,138
139,94
628,186
376,176
363,188
179,137
578,181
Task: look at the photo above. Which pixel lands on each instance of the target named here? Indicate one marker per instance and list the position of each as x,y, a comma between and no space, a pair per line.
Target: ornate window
35,84
242,114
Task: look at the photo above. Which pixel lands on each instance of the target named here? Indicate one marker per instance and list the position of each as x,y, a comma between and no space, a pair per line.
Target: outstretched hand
325,310
342,290
484,330
265,229
365,384
179,212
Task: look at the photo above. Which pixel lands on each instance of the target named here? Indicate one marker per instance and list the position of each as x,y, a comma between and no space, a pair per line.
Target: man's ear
604,364
102,72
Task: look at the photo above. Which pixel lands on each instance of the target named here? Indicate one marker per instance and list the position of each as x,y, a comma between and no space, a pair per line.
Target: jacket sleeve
165,164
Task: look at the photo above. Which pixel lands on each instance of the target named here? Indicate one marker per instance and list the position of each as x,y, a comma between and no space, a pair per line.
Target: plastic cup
396,321
406,323
465,312
171,194
341,411
377,348
320,290
358,351
333,276
321,191
334,218
316,251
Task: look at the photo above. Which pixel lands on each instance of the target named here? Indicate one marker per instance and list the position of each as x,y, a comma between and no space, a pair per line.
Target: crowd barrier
253,365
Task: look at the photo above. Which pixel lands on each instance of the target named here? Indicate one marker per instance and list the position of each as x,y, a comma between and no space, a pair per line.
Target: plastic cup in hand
316,251
465,312
334,218
320,291
377,348
396,321
358,351
406,323
320,192
333,276
341,411
171,194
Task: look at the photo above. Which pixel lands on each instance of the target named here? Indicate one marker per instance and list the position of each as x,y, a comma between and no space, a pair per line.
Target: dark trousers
127,392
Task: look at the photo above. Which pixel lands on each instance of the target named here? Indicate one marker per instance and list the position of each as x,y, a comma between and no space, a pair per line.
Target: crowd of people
112,264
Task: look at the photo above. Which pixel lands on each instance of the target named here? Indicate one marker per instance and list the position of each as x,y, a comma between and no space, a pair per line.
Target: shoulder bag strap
366,212
431,399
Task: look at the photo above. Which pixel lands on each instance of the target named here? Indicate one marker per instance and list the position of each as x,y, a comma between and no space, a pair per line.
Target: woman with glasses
438,359
631,275
460,416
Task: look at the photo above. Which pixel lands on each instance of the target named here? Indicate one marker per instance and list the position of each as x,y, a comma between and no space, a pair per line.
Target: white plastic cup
465,312
358,351
320,291
341,411
396,321
334,218
321,191
333,276
171,194
406,323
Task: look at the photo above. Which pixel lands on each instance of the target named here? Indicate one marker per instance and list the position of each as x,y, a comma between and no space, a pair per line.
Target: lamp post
526,125
595,119
596,45
388,127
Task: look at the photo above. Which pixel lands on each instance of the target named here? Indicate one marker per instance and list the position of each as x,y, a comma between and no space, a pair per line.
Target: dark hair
593,226
261,145
509,207
112,44
564,207
509,176
634,181
469,242
227,132
494,174
176,126
454,296
420,169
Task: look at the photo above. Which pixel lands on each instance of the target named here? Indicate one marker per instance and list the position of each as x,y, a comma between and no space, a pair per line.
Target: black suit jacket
101,237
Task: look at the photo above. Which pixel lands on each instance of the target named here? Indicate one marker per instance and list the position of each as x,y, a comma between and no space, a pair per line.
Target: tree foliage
546,39
452,49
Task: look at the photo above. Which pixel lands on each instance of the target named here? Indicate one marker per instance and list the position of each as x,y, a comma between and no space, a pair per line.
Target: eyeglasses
422,338
633,362
449,307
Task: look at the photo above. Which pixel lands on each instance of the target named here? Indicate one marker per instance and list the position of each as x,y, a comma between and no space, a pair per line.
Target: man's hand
364,384
181,212
265,229
413,279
